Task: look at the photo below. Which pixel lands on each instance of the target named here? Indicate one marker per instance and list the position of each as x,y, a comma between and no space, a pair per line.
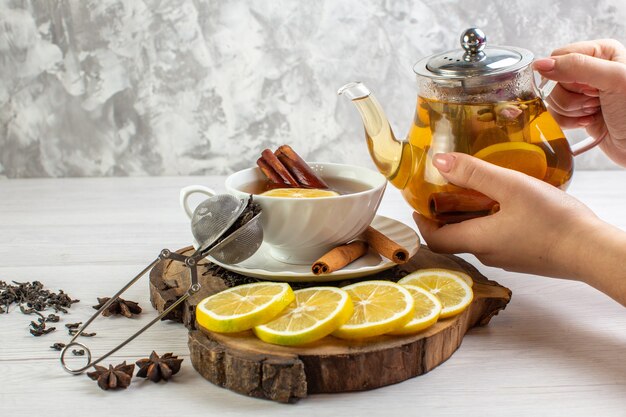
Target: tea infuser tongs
212,219
189,261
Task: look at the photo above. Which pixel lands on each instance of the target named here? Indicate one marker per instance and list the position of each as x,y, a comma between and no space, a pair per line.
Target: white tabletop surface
559,348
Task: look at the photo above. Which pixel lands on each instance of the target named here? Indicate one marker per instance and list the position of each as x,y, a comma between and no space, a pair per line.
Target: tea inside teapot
518,135
481,101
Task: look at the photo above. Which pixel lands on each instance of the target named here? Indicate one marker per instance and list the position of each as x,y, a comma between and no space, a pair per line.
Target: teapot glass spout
386,151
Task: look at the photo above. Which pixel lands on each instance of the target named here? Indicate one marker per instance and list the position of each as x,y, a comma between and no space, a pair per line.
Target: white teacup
300,230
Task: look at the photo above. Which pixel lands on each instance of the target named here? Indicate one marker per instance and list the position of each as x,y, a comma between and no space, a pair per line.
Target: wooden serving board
245,364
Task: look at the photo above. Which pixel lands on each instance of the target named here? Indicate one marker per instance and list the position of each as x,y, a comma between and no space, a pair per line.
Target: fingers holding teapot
591,65
586,71
537,244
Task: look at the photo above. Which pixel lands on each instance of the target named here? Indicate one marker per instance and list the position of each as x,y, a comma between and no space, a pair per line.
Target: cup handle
545,87
188,191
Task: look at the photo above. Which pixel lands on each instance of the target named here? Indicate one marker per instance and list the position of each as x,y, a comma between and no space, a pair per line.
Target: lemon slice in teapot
520,156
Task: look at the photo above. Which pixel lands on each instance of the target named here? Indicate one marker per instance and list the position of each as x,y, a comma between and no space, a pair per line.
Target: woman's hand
539,228
591,91
532,231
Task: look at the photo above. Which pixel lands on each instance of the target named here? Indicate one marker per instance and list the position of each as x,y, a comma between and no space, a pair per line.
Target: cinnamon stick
272,161
271,174
339,257
306,177
460,201
385,246
450,218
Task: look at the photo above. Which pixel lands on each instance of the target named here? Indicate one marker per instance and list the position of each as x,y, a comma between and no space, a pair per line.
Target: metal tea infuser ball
212,220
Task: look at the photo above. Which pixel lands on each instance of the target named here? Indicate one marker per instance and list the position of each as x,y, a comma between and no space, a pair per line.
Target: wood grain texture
244,364
558,350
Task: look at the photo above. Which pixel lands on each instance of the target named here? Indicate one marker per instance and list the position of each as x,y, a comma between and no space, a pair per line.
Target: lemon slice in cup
448,286
520,156
300,193
243,307
314,313
379,307
427,310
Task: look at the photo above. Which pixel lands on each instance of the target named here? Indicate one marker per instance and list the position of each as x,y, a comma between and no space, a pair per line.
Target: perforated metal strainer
214,218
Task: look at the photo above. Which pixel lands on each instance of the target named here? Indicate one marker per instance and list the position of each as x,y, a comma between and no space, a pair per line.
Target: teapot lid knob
474,59
473,40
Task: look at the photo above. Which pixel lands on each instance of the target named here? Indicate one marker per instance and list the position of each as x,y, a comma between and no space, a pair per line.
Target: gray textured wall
114,87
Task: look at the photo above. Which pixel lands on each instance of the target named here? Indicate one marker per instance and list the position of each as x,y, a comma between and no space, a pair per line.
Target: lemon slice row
365,309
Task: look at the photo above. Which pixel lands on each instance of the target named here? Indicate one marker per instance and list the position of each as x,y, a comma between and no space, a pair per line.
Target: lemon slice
427,310
448,286
520,156
379,307
315,313
299,193
439,272
243,307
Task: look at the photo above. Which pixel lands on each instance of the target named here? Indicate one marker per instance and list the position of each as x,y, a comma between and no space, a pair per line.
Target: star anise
120,306
113,377
156,368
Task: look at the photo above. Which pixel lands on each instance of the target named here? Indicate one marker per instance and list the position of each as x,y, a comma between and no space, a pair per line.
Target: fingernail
590,110
544,64
585,121
592,92
443,161
591,104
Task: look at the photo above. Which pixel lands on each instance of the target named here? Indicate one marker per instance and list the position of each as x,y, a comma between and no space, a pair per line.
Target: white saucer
263,265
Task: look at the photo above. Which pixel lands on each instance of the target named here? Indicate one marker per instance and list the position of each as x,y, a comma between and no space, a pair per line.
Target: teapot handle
545,87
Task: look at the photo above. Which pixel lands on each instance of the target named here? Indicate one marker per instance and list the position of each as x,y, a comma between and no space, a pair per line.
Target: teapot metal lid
476,59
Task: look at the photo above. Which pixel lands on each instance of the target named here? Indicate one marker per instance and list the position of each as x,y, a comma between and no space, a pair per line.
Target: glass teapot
480,100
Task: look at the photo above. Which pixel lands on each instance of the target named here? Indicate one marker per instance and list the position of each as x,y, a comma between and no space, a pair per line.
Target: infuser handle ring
66,367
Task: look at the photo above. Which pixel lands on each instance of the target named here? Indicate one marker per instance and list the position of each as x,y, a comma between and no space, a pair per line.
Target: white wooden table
559,348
